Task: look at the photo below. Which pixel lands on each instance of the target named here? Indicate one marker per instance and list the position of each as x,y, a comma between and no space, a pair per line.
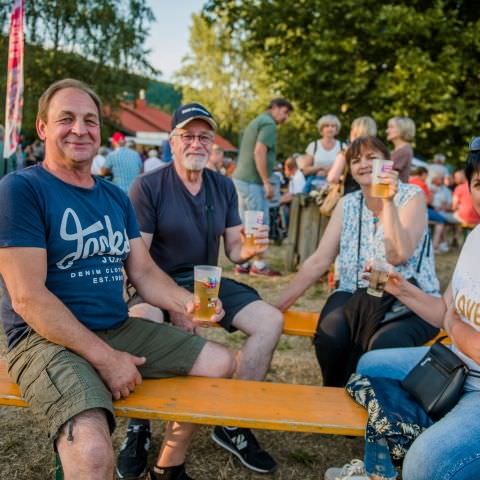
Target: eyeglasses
474,144
188,138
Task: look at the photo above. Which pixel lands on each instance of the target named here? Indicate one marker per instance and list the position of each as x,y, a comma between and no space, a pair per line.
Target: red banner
14,100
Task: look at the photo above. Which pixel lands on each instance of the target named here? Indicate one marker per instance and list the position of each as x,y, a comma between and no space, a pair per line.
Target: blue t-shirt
178,220
86,234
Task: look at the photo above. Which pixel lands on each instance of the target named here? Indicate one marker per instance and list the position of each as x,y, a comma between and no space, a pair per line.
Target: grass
26,452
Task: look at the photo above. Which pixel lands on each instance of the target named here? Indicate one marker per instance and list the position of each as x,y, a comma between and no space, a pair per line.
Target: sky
170,32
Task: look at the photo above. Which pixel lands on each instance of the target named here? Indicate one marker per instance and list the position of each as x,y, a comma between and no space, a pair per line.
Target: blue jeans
434,216
251,196
450,448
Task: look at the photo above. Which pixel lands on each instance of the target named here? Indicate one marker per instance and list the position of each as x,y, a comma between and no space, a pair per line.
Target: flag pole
14,99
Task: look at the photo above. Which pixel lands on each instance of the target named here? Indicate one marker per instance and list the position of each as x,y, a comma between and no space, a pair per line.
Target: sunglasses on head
474,145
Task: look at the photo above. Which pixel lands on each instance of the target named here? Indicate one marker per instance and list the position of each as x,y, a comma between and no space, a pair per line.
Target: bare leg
145,310
437,234
88,455
263,324
214,361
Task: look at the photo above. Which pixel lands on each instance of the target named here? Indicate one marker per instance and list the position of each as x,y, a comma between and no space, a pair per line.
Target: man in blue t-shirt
65,239
184,210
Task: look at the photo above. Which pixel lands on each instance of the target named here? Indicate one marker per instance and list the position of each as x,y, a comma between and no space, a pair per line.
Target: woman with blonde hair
324,150
401,132
361,127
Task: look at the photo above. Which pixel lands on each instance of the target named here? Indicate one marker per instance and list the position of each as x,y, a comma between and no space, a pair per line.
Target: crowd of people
72,241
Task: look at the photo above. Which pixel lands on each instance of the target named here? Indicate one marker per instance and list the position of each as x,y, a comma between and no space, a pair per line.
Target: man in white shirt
293,171
153,162
99,160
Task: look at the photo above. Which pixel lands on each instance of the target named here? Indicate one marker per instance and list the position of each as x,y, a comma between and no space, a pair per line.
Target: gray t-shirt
177,219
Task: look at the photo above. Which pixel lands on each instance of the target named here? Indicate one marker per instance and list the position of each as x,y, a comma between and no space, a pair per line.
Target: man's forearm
236,255
159,289
261,164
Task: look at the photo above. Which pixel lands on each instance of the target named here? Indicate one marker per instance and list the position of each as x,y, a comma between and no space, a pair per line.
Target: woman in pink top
463,205
401,132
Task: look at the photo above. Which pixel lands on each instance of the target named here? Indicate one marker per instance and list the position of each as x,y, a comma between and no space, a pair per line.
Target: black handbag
436,383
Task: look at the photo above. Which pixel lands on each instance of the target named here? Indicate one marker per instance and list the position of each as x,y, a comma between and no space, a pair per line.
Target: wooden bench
304,324
261,405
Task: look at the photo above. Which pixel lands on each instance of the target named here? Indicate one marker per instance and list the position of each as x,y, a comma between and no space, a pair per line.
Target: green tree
219,74
163,95
98,41
356,57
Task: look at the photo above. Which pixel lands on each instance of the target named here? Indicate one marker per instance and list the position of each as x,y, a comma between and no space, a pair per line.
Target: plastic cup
379,189
379,273
206,286
253,219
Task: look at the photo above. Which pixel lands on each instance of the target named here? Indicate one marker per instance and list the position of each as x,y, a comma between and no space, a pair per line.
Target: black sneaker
132,457
242,443
172,473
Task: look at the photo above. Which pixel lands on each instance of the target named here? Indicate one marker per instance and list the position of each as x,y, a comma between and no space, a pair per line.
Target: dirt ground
26,453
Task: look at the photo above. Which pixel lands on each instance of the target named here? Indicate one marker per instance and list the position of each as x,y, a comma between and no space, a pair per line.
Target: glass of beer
253,219
379,273
380,190
206,286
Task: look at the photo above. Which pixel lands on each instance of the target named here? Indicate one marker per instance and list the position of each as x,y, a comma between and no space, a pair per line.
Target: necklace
375,220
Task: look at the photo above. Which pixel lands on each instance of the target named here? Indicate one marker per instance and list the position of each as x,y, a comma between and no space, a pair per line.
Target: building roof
140,117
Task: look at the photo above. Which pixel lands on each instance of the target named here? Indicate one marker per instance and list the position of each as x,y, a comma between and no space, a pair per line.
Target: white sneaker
355,470
443,247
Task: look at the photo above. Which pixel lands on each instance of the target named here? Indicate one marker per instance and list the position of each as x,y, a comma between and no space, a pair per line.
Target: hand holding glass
379,273
253,219
206,287
379,167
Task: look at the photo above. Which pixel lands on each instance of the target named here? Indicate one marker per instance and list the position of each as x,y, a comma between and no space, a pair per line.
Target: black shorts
233,295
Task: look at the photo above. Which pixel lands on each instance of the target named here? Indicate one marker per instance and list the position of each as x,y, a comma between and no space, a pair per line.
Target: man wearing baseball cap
183,209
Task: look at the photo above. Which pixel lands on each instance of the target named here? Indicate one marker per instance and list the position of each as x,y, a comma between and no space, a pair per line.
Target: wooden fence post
306,226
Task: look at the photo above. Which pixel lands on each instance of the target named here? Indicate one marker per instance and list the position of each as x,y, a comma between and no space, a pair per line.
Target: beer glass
379,272
253,219
206,286
380,190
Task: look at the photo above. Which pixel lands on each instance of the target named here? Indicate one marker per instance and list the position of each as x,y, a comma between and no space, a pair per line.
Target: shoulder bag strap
209,210
359,240
426,244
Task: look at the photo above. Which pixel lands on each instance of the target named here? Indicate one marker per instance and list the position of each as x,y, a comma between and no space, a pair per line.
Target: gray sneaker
355,470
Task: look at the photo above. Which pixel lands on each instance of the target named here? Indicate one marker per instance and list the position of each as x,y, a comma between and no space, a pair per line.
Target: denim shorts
59,384
251,196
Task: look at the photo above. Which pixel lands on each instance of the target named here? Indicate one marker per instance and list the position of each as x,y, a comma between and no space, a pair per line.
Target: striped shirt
125,164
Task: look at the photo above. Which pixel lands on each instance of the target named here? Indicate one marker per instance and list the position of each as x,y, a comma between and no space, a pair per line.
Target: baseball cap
191,111
117,137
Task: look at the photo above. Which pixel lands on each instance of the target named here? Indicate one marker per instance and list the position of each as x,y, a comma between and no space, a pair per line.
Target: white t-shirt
323,158
97,164
153,163
466,294
297,182
441,196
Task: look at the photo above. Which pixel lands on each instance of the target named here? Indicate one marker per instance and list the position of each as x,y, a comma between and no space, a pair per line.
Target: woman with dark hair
363,227
450,448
